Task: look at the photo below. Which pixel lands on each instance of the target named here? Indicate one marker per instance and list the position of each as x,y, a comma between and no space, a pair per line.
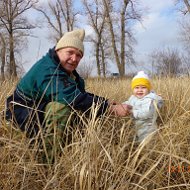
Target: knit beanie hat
141,79
72,39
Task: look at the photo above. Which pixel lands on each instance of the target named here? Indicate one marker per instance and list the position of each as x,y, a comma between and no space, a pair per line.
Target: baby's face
140,91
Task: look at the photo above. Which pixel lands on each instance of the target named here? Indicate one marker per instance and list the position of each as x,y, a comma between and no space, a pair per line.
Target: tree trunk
187,5
3,55
109,20
123,24
12,68
98,59
103,61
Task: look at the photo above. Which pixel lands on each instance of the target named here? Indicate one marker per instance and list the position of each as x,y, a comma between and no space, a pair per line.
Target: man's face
140,91
69,58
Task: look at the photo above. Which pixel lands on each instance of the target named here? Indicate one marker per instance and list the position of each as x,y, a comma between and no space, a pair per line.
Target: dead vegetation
102,154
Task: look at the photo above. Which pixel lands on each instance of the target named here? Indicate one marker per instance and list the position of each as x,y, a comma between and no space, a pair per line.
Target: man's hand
112,102
121,109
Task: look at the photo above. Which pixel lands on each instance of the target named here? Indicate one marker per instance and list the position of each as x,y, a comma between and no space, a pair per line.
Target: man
45,97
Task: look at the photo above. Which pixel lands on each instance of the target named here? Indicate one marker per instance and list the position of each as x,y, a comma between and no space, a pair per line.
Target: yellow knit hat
141,79
72,39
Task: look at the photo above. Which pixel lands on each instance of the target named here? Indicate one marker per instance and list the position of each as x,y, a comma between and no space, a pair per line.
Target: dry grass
102,154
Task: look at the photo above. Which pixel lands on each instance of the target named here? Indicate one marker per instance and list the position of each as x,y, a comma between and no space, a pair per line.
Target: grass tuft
103,153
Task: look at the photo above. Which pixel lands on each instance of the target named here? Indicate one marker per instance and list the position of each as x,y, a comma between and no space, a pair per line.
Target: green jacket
47,81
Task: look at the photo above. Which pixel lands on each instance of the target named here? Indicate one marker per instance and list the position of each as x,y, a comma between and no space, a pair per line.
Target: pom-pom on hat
72,39
141,79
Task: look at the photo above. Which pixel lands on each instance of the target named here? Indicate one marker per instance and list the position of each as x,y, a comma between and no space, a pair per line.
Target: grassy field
103,154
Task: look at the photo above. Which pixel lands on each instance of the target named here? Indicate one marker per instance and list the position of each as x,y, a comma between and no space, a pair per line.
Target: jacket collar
53,55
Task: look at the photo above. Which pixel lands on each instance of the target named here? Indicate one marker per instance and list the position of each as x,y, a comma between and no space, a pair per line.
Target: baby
144,104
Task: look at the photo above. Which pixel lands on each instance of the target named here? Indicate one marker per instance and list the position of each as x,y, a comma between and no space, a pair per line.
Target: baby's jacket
144,112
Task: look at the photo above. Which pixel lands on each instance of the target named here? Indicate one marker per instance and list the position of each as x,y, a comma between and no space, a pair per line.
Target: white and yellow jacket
144,112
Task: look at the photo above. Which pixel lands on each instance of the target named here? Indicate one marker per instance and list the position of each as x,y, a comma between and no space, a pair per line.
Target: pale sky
158,29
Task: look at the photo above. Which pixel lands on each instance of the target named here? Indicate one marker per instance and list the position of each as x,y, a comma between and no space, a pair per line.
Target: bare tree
185,34
60,16
118,17
183,5
187,4
185,37
14,23
167,62
2,55
95,12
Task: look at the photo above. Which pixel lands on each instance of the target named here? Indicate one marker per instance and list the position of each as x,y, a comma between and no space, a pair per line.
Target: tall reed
102,153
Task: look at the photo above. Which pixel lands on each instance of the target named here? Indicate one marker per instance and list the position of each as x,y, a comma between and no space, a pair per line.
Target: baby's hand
128,108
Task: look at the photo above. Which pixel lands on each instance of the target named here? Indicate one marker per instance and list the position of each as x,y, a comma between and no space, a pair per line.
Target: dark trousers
25,114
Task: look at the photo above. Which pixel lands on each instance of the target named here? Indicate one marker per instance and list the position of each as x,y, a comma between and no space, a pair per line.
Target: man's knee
57,113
